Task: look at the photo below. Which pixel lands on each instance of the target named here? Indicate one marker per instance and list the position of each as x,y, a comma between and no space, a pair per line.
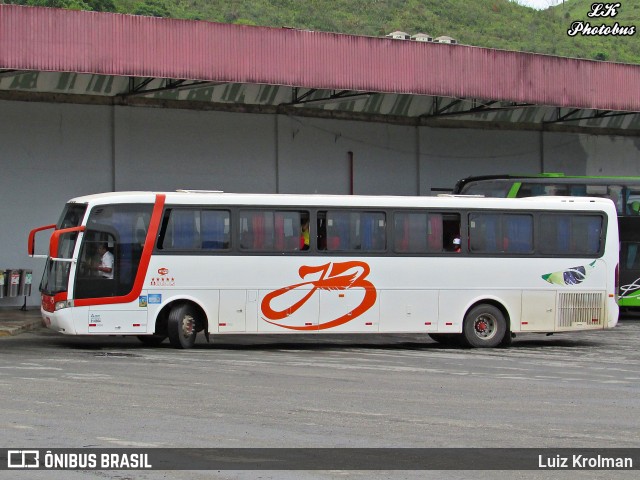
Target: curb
18,322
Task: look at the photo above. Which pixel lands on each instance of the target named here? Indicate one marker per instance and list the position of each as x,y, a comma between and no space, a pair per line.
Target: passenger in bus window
456,245
304,234
105,267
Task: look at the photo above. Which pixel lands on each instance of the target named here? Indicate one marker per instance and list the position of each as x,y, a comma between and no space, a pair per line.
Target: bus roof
546,177
379,201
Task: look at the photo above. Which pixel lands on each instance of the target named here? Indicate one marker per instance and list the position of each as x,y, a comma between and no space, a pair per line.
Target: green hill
499,24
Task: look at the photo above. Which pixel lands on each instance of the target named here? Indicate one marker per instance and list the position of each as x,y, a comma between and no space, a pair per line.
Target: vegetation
502,24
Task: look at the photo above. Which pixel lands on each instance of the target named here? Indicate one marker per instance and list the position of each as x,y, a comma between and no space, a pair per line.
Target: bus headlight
63,304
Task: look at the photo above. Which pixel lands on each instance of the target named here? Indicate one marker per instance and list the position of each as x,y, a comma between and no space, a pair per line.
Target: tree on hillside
95,5
152,8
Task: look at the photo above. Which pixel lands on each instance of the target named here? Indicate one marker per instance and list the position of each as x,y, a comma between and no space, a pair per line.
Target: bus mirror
55,239
31,246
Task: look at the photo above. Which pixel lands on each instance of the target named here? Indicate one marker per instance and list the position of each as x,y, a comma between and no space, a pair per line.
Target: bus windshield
56,273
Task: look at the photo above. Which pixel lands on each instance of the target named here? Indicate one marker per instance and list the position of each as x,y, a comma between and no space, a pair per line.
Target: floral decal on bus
333,276
570,276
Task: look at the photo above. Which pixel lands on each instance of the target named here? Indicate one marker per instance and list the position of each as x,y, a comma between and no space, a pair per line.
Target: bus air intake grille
580,309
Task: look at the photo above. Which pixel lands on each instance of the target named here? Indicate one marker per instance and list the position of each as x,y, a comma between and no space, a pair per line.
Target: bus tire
484,326
151,340
182,326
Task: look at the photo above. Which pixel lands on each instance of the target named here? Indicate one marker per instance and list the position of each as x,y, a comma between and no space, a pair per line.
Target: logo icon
332,276
570,276
23,459
163,271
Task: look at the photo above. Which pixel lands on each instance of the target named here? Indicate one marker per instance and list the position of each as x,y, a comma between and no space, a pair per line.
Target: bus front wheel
181,326
484,326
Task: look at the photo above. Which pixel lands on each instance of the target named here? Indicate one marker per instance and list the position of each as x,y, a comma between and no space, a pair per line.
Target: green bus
623,191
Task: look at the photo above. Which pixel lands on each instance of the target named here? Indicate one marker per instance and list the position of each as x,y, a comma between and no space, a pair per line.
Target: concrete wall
159,149
53,152
49,153
336,157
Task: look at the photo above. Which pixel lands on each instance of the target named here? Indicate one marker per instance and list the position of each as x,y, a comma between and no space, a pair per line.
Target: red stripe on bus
154,225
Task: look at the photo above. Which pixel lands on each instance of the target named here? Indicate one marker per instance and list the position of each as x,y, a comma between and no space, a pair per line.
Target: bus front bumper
60,321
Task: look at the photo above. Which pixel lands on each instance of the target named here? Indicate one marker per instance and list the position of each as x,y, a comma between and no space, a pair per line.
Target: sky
539,4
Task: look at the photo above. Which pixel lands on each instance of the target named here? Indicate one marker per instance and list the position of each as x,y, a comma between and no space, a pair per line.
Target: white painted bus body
413,294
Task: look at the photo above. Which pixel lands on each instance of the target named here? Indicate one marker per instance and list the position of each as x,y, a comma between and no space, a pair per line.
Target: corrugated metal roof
45,39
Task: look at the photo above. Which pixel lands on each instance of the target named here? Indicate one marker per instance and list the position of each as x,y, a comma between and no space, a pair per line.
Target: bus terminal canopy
103,58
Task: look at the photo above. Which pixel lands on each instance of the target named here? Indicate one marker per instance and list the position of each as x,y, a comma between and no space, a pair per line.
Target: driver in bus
105,267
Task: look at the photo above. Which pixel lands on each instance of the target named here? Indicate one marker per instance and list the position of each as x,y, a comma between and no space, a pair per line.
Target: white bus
475,271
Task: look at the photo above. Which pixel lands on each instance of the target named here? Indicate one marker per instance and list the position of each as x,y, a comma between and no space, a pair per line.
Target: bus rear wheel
181,326
484,326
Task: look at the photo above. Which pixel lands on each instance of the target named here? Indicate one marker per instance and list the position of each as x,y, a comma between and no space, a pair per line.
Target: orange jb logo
333,276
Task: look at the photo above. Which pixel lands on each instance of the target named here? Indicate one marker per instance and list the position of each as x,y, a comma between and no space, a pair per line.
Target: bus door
629,268
629,273
104,271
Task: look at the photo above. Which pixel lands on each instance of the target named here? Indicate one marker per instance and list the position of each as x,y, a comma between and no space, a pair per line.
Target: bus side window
531,190
411,232
518,231
571,235
501,233
215,228
425,232
184,229
352,230
587,228
451,231
484,232
271,230
321,240
632,201
578,190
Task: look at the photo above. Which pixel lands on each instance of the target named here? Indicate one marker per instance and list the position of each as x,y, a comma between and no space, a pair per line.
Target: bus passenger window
632,202
304,233
272,230
571,234
214,229
425,232
195,229
483,232
501,233
354,231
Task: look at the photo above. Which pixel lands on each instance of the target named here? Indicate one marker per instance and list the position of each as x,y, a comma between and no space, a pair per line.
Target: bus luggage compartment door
233,311
538,311
117,320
